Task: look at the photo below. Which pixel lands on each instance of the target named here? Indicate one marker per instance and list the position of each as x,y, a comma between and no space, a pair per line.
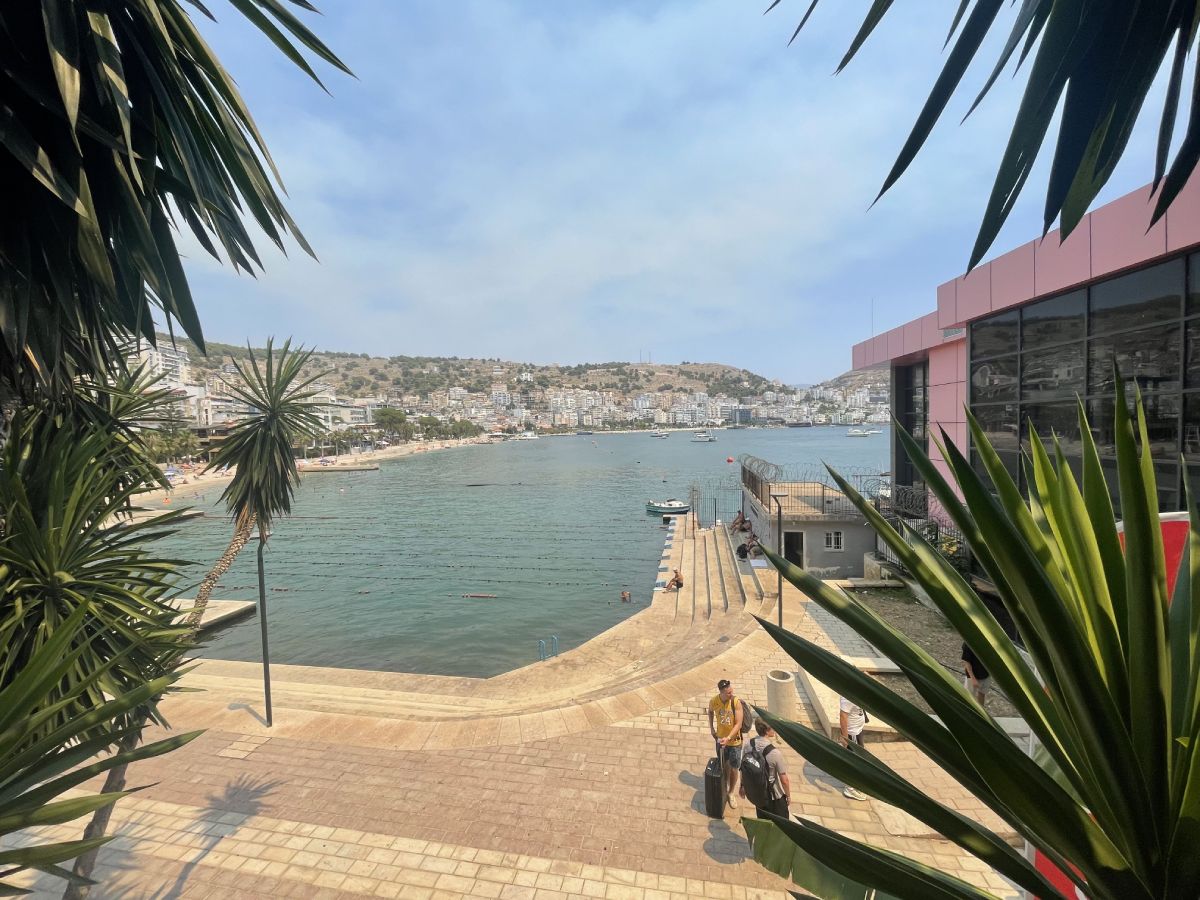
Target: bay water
370,570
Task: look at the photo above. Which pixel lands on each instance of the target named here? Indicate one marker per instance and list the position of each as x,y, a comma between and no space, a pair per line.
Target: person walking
778,785
977,679
852,718
725,724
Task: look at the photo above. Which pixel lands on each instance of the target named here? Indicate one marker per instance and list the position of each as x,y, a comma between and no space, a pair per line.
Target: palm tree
1110,686
1077,43
260,448
117,122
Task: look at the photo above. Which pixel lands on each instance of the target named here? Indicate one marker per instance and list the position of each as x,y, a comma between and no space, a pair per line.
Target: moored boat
703,437
858,432
670,507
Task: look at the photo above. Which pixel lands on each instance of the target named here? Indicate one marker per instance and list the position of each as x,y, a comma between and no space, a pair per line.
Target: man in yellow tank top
725,723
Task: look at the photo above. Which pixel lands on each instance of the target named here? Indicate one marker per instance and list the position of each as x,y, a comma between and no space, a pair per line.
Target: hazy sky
582,181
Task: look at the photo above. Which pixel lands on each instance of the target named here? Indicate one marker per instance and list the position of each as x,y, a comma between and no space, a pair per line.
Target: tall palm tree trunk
115,780
241,537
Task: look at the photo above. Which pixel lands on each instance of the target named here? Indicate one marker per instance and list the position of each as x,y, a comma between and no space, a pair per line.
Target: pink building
1022,337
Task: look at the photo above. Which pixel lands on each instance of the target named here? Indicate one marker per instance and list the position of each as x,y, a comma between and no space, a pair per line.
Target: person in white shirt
851,719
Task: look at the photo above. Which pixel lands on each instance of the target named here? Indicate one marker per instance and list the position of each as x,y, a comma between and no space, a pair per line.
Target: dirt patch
928,630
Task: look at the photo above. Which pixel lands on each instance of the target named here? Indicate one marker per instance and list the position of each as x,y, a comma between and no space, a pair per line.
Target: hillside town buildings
515,403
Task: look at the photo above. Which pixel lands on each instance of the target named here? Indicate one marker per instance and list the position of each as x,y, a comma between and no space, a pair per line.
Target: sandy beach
198,485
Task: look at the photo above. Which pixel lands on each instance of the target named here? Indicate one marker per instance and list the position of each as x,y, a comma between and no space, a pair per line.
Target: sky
596,180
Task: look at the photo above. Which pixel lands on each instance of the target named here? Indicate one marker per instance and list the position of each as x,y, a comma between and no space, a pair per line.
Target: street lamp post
778,498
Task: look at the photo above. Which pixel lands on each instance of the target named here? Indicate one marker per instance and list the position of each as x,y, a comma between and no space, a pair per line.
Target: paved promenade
577,777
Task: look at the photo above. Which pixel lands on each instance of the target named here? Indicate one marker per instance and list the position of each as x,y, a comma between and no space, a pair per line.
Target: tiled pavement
609,809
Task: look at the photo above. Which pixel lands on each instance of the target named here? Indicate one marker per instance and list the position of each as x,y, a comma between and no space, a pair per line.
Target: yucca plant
118,124
1110,687
1077,42
46,751
259,448
62,494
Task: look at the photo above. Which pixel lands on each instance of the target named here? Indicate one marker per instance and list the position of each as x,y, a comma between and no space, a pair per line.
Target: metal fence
915,508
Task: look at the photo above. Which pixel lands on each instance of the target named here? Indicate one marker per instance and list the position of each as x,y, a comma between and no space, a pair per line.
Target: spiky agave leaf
1115,698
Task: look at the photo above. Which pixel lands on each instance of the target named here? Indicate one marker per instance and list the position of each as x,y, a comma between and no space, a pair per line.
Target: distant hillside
363,375
877,379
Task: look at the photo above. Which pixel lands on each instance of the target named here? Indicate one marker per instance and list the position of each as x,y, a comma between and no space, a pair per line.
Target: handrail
541,650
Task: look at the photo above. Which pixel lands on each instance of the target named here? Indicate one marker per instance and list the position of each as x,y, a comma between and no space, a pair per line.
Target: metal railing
542,654
915,508
807,492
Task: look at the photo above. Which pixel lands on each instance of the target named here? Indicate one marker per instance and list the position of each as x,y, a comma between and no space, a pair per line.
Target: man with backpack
765,781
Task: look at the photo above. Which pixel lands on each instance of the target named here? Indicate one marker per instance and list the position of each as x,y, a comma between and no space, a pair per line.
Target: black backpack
757,779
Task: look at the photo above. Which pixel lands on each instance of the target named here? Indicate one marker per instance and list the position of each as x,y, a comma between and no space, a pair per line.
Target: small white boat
670,507
660,433
874,431
858,432
527,436
703,437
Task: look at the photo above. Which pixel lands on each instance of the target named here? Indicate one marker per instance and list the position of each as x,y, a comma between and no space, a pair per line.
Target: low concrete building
822,531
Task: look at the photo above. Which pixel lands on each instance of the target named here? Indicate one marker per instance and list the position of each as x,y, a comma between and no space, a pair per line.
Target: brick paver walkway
606,806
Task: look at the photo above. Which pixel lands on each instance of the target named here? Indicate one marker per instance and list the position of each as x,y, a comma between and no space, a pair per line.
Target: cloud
567,182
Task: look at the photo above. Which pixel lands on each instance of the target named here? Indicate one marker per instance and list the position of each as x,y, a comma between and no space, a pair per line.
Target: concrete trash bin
781,693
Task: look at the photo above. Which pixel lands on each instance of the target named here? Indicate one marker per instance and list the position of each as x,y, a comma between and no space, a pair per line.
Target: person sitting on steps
675,583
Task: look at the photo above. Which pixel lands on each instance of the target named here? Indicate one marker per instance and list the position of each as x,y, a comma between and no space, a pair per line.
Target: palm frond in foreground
1078,45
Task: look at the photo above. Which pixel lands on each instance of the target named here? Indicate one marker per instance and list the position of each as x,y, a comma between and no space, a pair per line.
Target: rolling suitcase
714,787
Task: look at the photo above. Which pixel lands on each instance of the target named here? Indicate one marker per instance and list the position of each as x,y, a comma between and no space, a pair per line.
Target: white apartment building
169,362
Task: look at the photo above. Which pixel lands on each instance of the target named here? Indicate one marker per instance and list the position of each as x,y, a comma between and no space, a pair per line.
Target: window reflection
1192,363
1053,321
1029,365
994,335
1050,421
995,379
1149,356
1162,424
999,423
1139,298
1056,372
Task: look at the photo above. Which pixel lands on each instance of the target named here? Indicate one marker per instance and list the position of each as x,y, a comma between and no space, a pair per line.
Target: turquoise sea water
370,570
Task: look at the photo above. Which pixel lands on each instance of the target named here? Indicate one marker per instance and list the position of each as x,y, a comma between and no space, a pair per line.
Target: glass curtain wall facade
1030,364
910,387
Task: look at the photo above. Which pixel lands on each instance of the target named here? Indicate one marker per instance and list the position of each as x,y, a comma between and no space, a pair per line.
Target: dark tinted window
1193,307
1162,424
1053,321
1149,356
1191,427
1139,298
999,423
1192,364
1054,372
1010,459
995,379
1166,476
1050,420
994,335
